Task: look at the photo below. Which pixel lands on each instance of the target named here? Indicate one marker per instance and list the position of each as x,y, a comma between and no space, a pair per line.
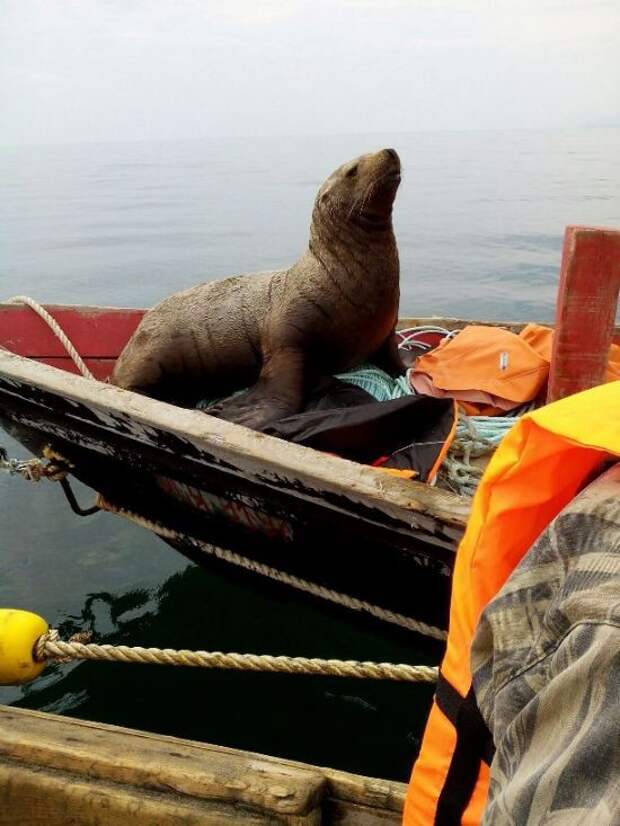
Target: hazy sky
90,70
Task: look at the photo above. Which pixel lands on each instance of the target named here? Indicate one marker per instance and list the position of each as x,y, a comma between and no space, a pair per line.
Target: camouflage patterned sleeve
546,664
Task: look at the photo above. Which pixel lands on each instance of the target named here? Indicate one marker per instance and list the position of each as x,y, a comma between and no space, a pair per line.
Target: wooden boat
214,490
57,770
330,524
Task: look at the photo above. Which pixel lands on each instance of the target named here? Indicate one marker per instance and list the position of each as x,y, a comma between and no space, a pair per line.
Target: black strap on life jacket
474,743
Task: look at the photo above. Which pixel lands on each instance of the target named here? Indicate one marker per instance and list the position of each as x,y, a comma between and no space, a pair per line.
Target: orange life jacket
539,467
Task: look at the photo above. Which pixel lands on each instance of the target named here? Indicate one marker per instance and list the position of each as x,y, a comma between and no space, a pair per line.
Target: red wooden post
585,310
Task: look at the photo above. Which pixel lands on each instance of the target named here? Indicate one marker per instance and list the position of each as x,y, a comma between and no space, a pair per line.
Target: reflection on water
103,574
369,727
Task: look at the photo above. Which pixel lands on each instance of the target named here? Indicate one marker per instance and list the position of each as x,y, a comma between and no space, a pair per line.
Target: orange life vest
539,467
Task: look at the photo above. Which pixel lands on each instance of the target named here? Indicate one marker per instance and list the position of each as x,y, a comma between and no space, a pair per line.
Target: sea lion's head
362,191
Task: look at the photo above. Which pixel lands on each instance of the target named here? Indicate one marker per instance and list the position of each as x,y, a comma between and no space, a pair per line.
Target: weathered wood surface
450,323
45,797
101,368
56,770
585,310
458,323
417,506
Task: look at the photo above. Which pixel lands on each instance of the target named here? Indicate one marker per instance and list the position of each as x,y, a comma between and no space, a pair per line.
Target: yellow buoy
19,632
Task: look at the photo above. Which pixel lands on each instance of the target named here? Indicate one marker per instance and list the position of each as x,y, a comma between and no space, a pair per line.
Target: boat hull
320,519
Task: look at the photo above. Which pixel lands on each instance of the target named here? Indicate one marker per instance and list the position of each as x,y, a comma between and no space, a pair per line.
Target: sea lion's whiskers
359,203
367,194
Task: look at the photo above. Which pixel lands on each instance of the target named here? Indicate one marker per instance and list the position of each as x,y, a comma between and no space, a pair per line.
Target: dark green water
103,574
479,221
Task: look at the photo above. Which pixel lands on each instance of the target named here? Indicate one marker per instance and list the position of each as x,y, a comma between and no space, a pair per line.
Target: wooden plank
367,791
250,453
205,773
99,367
351,814
370,793
40,797
585,311
121,757
24,333
94,331
450,323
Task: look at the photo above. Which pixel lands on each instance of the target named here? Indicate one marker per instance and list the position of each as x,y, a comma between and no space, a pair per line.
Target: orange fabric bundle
489,370
489,359
541,339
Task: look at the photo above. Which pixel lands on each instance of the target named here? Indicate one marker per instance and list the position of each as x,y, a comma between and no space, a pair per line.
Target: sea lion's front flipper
279,392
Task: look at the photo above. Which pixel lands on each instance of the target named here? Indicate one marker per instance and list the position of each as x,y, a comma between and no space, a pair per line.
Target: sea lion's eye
350,173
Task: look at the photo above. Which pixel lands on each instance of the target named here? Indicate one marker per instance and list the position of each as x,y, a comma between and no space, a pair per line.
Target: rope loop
33,470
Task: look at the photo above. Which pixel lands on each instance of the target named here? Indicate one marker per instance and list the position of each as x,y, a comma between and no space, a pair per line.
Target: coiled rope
379,384
252,565
51,647
476,436
33,470
56,329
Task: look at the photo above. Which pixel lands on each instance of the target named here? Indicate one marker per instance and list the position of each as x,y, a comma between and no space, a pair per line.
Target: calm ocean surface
479,221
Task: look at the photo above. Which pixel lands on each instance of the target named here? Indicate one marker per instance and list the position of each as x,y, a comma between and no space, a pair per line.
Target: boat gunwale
262,456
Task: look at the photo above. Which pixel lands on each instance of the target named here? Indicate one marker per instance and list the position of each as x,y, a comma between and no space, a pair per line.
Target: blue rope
381,386
481,429
377,382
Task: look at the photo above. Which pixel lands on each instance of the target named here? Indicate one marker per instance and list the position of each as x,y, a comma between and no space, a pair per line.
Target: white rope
50,647
280,576
56,329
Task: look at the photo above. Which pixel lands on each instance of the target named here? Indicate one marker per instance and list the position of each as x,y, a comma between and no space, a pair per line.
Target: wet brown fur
280,331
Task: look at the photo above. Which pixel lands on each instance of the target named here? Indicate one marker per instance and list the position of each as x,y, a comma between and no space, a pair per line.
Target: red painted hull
98,334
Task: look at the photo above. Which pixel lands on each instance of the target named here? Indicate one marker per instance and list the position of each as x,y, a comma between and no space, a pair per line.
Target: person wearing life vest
535,610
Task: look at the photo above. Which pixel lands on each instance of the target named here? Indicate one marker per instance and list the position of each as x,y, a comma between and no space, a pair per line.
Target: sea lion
281,331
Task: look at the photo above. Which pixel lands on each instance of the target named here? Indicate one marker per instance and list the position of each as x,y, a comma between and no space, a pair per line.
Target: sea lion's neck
333,232
363,265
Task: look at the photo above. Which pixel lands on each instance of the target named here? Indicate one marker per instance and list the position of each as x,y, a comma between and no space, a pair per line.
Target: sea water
479,220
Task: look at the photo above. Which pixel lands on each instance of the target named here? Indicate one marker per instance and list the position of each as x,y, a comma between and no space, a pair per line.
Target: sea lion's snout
379,183
392,158
389,163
